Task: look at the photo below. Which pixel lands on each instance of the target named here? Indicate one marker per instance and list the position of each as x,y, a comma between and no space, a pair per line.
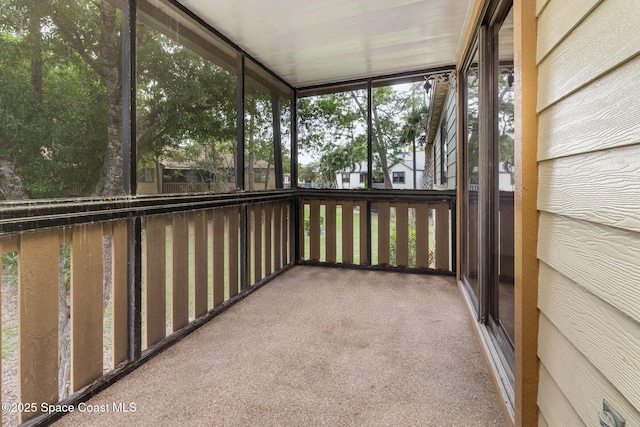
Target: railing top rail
35,214
378,195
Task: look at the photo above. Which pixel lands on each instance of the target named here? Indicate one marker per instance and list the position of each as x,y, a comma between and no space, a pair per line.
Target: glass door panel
471,173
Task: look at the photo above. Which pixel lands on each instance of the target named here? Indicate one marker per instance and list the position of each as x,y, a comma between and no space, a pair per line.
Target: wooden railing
103,285
411,230
61,313
97,298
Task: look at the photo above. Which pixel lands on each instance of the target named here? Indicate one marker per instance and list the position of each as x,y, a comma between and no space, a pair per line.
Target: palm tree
414,132
341,158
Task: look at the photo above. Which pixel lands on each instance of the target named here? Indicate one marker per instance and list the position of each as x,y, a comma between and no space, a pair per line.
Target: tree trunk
64,325
266,181
35,42
427,178
250,174
388,184
11,184
379,141
382,150
111,178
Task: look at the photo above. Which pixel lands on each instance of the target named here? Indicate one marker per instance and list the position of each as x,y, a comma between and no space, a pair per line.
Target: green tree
61,98
310,172
414,133
346,157
49,98
329,121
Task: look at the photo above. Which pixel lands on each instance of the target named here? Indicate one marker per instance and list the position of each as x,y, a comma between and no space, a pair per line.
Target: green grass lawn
356,234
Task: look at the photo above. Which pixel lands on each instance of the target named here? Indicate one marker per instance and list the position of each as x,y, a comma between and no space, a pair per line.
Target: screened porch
211,223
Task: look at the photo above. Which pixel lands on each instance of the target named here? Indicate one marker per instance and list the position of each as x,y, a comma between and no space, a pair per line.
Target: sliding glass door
488,177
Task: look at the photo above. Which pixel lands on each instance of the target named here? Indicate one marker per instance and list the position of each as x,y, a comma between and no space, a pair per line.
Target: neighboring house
401,174
170,176
442,134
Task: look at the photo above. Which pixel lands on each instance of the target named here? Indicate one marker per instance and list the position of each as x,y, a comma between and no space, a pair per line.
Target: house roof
437,103
309,42
228,162
407,160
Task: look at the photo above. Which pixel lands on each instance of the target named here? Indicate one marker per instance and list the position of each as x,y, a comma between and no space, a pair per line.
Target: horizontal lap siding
606,337
588,198
540,5
601,187
604,115
558,19
452,140
556,408
605,39
565,363
437,176
542,422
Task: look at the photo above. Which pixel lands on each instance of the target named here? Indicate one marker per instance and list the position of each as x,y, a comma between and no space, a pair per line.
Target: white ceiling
308,42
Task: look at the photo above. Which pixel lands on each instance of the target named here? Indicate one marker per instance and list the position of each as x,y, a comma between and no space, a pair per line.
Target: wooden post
363,233
330,235
384,243
422,235
218,256
155,279
286,224
526,213
86,305
347,232
257,239
120,308
314,233
233,250
268,208
38,323
402,234
277,236
200,262
180,259
301,243
442,236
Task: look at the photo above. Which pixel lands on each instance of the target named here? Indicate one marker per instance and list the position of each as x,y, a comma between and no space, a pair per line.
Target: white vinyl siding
452,138
449,116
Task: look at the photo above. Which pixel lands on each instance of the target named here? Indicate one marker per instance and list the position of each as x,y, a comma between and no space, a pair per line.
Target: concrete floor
318,346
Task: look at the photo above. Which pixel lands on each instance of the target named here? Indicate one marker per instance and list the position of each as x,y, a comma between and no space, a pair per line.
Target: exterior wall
402,166
257,186
588,196
147,188
354,181
437,153
450,116
408,176
452,138
190,187
354,178
150,187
